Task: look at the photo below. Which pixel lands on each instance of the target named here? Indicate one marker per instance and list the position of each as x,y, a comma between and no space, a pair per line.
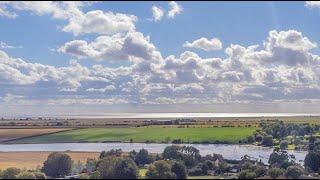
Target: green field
146,134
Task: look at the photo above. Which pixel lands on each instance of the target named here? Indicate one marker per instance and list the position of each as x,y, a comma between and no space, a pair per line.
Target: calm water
228,151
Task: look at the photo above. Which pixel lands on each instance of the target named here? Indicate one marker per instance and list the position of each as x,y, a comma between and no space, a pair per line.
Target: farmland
31,160
157,134
11,134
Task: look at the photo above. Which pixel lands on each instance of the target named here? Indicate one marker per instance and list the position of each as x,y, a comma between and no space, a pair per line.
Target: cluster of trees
279,130
281,165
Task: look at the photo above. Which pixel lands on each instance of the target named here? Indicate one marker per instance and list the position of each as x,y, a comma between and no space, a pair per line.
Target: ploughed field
155,134
11,134
32,160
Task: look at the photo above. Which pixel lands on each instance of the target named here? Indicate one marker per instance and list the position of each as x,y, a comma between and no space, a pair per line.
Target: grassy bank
146,134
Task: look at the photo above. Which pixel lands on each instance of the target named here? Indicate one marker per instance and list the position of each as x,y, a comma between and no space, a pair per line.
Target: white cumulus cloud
205,44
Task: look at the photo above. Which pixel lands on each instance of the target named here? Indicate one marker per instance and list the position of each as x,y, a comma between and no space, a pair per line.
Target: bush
40,175
294,172
10,173
283,145
57,165
84,176
267,140
275,172
26,175
260,171
247,174
258,138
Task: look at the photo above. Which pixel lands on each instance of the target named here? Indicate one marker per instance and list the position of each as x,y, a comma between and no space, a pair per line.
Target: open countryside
146,134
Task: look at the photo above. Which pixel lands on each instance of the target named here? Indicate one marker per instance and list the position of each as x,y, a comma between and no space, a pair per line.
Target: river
229,151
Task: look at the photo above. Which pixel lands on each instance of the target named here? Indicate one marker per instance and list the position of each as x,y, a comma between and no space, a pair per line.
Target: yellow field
30,160
10,134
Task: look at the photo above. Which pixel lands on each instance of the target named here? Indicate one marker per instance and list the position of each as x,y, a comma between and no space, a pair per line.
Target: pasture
156,134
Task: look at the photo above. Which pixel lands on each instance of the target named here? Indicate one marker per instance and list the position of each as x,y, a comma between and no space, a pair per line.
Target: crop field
10,134
31,160
146,134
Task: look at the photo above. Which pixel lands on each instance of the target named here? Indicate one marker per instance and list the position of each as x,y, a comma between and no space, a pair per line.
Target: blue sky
37,36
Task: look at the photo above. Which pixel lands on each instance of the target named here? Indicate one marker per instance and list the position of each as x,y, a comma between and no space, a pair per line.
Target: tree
10,173
112,152
180,170
312,161
113,167
57,165
172,152
26,175
142,157
283,145
267,140
275,172
247,174
160,170
294,172
91,164
280,159
209,164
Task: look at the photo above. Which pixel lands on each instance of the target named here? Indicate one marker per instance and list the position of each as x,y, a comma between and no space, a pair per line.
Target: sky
101,57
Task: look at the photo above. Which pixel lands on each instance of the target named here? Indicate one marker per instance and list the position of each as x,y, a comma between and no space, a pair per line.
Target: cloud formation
204,44
112,48
313,4
157,13
174,9
283,69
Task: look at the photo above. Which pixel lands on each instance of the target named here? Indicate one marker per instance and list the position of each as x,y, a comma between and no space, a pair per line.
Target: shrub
267,140
275,172
10,173
26,175
283,145
294,172
247,174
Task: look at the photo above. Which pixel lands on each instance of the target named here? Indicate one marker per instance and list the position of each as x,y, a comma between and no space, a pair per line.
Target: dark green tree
57,165
160,170
180,170
113,167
